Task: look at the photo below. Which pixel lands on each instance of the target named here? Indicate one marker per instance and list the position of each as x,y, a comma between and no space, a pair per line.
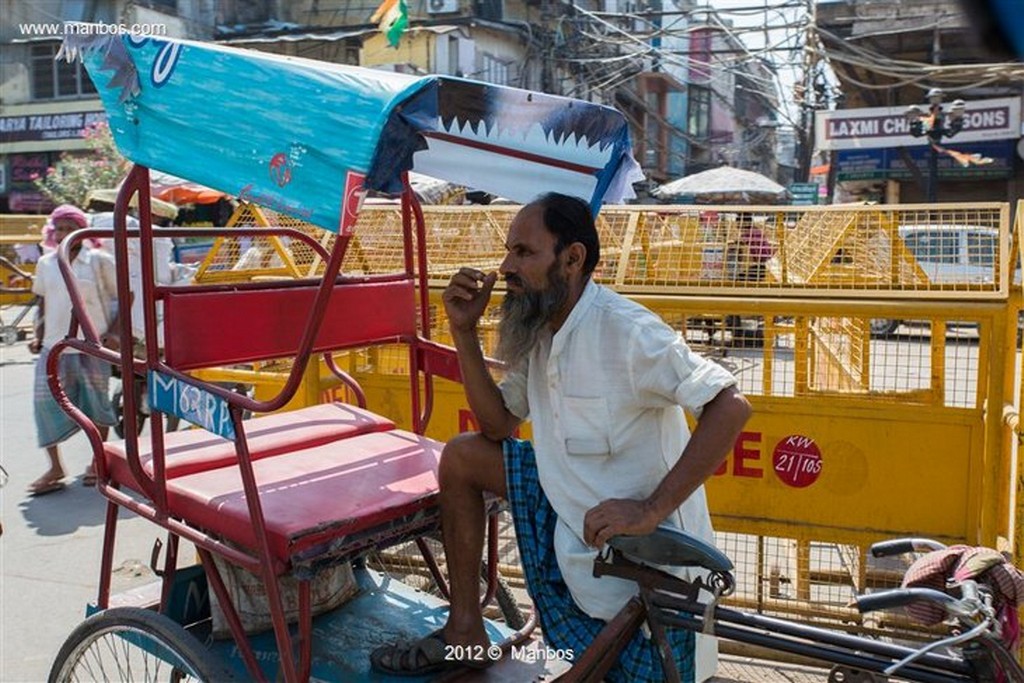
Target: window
934,247
494,70
981,249
699,120
453,56
53,79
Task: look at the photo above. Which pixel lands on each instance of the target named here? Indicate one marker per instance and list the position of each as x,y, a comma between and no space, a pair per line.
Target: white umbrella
724,184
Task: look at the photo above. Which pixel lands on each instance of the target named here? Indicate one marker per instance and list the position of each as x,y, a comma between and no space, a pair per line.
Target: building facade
46,105
888,55
665,64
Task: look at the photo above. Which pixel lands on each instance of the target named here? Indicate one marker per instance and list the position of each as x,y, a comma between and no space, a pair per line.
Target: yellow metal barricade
858,435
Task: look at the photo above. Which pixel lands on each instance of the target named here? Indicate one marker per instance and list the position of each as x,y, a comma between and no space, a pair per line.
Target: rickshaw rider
605,383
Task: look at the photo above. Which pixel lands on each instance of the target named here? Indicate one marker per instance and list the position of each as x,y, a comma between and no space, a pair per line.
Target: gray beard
524,315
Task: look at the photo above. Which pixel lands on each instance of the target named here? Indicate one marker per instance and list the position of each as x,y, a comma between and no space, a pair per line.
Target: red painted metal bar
422,273
266,571
348,379
216,583
57,389
305,630
435,571
169,571
186,532
107,556
136,182
408,248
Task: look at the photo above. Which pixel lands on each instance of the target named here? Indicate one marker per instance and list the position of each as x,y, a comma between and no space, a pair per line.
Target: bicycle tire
130,644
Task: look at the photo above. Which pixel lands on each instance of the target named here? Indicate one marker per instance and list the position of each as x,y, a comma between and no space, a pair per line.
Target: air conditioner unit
442,6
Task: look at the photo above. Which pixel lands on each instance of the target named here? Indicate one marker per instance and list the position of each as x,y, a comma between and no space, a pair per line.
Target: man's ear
577,254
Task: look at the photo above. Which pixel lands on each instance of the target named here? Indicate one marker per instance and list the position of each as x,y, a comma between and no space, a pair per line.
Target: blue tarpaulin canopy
301,136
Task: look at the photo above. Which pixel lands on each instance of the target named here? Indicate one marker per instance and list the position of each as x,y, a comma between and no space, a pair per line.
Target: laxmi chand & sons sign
995,119
875,143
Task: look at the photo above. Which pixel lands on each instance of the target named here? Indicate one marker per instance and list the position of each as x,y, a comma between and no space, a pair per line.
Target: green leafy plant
76,173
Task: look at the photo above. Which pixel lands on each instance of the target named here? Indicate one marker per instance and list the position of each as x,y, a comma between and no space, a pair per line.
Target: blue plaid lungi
86,380
565,625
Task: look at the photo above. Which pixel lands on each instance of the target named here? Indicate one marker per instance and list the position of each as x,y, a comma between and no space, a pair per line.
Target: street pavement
50,547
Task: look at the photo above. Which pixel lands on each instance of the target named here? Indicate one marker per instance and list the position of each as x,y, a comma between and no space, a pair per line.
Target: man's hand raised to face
466,298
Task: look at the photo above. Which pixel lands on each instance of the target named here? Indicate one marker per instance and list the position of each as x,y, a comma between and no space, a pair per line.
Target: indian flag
394,19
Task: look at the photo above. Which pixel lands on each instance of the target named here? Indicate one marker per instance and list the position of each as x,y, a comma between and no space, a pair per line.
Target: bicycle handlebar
967,606
901,597
899,546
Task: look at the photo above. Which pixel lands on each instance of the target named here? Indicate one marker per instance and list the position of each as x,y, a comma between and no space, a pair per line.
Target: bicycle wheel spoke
132,645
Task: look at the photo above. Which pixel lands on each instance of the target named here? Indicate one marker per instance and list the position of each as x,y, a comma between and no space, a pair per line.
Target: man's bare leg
470,465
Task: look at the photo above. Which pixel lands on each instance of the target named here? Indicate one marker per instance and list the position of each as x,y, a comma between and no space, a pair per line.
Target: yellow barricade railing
878,345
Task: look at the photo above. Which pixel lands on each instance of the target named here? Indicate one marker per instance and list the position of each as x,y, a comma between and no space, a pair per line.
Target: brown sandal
40,487
430,654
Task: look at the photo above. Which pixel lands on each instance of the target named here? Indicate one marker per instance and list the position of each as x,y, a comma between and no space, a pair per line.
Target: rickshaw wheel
133,644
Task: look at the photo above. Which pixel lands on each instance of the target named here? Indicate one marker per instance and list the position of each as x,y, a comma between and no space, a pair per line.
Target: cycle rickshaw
286,496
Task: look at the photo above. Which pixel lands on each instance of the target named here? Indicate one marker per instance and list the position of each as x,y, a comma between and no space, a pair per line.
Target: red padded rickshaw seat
197,450
316,495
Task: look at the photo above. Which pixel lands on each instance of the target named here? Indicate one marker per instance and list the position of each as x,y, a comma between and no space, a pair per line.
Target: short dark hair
570,220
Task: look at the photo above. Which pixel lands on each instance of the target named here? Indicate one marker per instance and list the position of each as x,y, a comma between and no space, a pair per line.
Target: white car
954,254
949,255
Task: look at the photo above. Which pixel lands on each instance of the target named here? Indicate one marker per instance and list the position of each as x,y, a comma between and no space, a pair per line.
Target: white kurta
606,397
97,283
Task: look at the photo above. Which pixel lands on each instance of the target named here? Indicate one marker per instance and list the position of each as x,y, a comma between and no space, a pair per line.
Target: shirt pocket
586,426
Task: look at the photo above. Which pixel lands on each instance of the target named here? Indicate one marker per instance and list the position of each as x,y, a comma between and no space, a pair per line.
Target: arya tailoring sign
876,127
54,126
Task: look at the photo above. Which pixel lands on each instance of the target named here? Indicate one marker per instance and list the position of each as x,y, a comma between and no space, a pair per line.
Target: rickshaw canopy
305,137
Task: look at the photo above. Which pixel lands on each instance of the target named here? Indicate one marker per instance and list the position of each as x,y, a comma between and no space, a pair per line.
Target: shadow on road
64,512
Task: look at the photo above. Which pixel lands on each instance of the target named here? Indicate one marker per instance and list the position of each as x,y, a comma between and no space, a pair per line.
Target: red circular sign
797,461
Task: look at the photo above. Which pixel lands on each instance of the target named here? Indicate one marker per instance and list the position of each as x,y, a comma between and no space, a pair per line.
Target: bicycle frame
667,601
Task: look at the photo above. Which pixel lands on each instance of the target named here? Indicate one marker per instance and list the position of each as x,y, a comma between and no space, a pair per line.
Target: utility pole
809,102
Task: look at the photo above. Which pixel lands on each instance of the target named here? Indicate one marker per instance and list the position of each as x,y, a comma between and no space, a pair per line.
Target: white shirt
97,283
606,396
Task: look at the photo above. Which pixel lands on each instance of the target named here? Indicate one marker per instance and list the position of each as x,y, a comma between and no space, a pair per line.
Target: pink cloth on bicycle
959,562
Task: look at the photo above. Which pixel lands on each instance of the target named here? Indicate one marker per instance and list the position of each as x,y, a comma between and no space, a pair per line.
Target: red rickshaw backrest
207,327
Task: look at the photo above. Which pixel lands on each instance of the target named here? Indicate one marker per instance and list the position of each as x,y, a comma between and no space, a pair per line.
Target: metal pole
933,172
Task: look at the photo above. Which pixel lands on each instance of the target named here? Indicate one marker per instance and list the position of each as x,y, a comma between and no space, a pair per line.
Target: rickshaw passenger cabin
296,491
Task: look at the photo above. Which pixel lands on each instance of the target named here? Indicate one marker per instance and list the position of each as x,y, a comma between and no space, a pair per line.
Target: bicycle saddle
673,547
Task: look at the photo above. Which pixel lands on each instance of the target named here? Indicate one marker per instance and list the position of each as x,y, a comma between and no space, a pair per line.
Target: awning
301,137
